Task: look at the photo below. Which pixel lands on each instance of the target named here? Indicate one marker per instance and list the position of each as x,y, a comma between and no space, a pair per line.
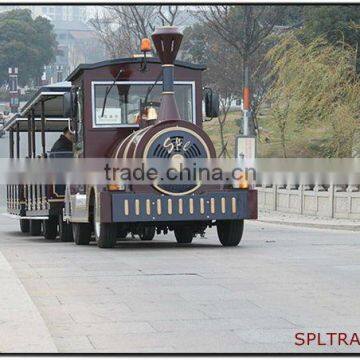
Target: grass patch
301,142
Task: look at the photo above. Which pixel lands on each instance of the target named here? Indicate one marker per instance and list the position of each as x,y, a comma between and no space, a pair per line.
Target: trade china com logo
327,339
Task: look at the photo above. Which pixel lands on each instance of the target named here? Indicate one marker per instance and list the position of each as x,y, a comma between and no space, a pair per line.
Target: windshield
123,102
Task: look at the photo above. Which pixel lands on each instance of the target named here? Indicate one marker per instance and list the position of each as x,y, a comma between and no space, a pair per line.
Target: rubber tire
148,233
81,233
65,231
35,227
184,235
50,228
106,239
230,231
24,225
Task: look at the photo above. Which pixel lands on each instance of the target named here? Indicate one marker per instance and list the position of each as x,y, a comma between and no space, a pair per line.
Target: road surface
162,297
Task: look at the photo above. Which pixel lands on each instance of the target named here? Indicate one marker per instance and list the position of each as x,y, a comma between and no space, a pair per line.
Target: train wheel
35,227
24,225
230,232
81,233
105,233
147,233
65,231
50,228
184,235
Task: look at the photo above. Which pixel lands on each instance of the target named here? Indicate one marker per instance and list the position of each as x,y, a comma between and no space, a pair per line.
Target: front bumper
220,205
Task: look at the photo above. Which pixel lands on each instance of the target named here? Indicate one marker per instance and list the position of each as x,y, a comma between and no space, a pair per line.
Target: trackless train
127,130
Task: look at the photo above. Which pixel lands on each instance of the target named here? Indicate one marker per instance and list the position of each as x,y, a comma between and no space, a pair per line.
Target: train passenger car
39,207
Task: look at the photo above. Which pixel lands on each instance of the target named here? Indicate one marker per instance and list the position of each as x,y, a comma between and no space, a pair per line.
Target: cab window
120,104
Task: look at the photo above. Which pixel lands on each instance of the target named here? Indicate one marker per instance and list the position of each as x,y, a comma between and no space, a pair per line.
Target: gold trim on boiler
157,187
136,135
121,145
154,137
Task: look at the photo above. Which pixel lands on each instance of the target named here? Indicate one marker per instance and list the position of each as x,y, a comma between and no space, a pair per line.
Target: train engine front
187,208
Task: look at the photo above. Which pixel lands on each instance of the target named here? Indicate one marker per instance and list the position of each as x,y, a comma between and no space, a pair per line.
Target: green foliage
332,22
25,43
315,85
337,24
293,16
223,74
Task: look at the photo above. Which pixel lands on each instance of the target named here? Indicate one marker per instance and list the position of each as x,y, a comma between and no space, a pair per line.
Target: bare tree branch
122,27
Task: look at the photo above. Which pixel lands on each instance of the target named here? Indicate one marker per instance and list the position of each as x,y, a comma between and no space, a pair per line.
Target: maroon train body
116,114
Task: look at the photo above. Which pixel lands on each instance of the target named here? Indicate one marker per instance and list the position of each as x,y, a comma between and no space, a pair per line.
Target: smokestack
167,42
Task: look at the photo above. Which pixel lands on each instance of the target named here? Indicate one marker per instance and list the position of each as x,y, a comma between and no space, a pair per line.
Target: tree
122,27
292,16
243,27
332,22
25,43
335,23
315,85
223,73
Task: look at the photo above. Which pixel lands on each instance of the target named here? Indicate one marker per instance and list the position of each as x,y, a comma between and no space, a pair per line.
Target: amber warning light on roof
145,45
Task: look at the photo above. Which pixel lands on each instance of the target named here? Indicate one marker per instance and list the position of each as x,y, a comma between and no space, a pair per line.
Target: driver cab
111,99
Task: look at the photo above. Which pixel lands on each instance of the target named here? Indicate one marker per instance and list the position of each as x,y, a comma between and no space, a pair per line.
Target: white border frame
106,82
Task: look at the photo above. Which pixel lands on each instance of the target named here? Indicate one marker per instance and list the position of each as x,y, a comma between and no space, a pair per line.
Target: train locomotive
108,122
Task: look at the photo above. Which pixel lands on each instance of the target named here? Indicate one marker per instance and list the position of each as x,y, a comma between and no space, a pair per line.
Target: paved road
161,297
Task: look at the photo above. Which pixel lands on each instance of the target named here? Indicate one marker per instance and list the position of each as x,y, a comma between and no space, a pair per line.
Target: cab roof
135,60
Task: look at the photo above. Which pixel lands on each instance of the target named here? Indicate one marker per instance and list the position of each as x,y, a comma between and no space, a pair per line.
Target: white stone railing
342,202
332,202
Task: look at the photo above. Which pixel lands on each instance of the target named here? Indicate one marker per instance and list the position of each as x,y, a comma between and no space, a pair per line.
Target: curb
22,328
327,226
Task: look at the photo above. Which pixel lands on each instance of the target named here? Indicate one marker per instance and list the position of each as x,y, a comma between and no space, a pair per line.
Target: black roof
131,60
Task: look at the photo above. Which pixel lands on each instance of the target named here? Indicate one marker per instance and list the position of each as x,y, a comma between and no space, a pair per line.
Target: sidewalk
308,221
22,329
